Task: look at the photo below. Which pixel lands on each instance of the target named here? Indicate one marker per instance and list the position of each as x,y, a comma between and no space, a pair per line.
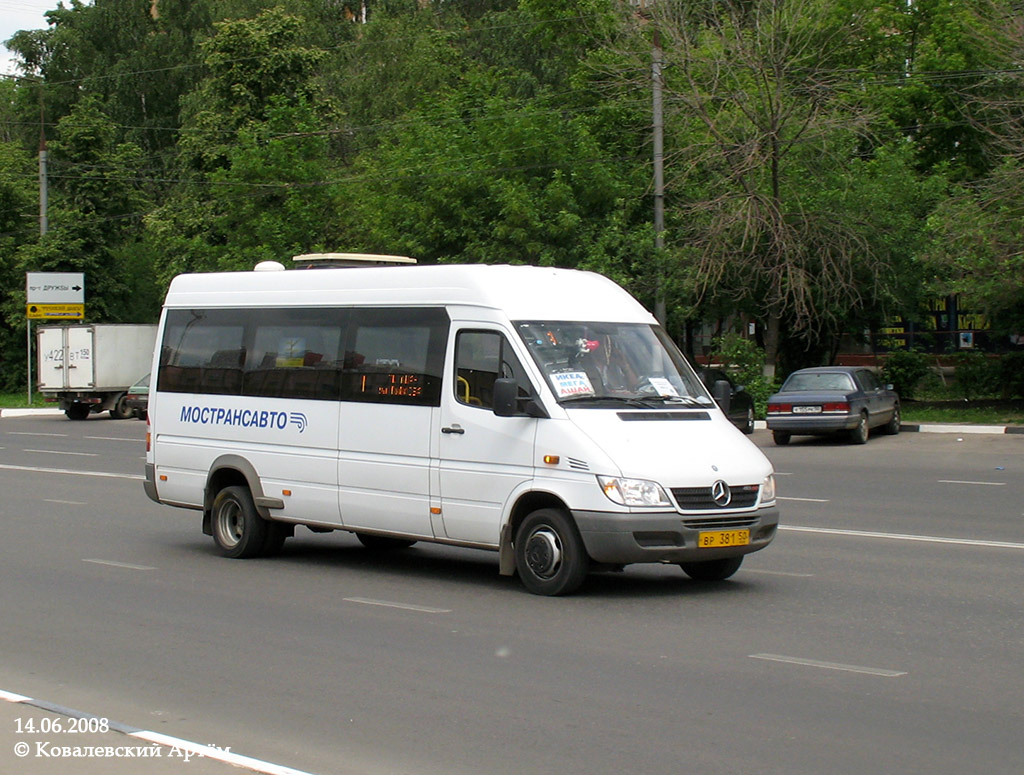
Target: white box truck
89,368
539,413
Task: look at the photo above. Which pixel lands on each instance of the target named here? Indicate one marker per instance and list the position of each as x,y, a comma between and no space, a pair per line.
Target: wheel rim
230,523
543,553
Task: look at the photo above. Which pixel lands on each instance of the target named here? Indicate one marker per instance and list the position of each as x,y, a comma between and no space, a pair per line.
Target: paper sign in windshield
572,383
663,387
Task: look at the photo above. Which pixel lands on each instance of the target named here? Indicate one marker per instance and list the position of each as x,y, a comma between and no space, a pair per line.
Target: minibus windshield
594,364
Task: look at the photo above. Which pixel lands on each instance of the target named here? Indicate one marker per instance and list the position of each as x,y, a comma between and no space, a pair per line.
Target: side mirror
505,394
722,393
506,400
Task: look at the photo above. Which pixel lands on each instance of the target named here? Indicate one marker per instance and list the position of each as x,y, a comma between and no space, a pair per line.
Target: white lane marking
27,433
209,752
805,500
405,606
59,452
37,470
779,573
960,481
114,438
12,697
830,665
127,565
904,537
66,503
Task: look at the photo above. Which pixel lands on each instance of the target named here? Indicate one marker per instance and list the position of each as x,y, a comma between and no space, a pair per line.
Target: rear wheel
238,530
781,438
712,570
121,410
859,435
893,426
77,411
550,557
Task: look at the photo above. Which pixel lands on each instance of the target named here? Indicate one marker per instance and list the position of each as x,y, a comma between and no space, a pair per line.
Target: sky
21,15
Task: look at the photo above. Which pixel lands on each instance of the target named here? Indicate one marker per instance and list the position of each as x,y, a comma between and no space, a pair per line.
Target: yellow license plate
723,538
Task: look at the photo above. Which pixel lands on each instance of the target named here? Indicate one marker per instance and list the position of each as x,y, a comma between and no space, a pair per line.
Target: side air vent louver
578,465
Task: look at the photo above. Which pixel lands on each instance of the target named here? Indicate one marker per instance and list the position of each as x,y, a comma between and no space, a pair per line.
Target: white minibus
540,413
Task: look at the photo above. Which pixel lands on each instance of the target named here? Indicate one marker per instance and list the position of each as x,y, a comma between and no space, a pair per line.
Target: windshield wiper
637,402
687,400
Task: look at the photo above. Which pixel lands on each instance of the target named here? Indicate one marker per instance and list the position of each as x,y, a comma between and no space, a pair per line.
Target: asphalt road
880,633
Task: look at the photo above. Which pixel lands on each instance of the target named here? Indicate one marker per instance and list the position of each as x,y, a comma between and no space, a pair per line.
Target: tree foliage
827,163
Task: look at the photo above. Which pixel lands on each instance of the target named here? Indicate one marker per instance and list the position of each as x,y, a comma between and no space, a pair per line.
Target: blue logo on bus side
244,418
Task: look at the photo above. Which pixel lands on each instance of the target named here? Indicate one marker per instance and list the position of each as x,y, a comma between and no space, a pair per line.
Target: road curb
941,428
28,412
953,428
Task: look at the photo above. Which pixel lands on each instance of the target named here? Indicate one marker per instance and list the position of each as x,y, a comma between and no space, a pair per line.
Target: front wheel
748,425
550,557
712,570
238,530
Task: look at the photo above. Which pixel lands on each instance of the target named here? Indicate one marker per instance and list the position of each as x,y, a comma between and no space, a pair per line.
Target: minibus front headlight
768,489
633,492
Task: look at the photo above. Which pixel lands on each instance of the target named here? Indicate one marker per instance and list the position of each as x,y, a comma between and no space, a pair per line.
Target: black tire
748,427
859,435
550,557
781,438
77,411
383,543
893,426
238,530
121,410
712,570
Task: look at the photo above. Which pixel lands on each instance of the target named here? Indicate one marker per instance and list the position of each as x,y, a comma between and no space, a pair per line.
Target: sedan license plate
723,538
806,410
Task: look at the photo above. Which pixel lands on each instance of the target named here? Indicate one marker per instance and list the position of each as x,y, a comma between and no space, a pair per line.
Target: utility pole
43,227
43,194
658,130
659,174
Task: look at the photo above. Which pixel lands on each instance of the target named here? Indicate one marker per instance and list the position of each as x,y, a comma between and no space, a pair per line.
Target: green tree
255,162
18,227
771,191
96,207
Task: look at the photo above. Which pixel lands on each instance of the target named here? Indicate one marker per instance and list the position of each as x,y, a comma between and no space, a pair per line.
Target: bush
1011,375
744,360
905,369
976,375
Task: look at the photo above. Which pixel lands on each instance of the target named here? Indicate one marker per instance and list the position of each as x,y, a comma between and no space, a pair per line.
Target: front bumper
622,539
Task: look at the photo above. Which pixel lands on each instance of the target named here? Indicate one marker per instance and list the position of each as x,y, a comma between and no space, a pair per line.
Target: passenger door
483,458
391,390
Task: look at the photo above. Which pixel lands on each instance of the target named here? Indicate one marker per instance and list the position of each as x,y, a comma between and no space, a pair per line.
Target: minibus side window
202,352
295,354
395,356
481,357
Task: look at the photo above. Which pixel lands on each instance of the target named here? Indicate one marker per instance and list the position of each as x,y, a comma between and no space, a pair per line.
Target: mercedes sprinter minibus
540,413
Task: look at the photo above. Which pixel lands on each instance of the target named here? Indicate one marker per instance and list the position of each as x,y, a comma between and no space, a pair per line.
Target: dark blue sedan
831,399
